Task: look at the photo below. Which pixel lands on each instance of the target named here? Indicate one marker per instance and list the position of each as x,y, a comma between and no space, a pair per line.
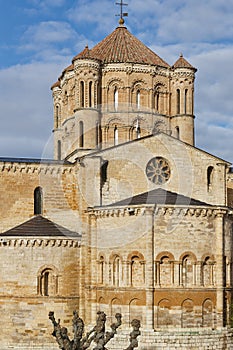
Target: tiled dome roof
122,47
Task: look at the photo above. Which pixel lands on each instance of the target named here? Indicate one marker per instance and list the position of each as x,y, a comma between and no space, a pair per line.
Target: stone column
149,217
219,254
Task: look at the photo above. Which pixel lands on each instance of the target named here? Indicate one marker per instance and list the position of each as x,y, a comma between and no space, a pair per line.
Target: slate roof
160,196
122,47
39,226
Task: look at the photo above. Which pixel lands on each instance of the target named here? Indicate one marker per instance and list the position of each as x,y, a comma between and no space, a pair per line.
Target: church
129,216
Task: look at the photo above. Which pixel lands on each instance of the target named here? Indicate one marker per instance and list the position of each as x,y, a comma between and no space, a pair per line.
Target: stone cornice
38,242
133,68
159,210
34,168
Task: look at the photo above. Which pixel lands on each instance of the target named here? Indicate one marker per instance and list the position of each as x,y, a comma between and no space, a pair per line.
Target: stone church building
130,216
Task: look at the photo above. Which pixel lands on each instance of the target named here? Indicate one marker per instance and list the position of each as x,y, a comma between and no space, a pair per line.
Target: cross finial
122,14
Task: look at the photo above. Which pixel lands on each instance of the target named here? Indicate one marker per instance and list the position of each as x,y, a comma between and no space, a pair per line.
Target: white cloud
26,108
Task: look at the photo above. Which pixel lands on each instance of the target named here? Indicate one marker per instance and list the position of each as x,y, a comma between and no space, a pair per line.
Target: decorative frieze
39,242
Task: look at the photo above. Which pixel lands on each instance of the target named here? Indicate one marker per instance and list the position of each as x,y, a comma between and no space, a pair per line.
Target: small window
115,136
82,94
138,99
210,171
59,150
178,101
81,134
38,201
177,132
90,94
115,98
57,116
185,100
47,283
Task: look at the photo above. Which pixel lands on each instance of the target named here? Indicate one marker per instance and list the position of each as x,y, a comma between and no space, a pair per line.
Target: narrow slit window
90,94
115,136
38,201
81,134
115,98
82,94
178,101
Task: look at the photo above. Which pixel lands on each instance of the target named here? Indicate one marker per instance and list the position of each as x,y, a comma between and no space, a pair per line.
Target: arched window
59,150
115,98
116,271
101,270
210,171
185,100
115,136
177,132
57,116
137,271
82,94
187,271
81,134
178,101
90,94
47,282
38,201
138,99
157,101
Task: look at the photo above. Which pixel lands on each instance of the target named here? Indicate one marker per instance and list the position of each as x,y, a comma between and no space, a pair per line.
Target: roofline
34,160
148,136
137,206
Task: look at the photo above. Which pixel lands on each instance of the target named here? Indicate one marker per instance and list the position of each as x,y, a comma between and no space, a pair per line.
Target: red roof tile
183,63
122,47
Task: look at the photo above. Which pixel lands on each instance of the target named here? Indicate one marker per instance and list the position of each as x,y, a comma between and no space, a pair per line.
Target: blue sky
38,39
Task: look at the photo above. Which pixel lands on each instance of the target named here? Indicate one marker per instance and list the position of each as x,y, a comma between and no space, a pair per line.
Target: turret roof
183,63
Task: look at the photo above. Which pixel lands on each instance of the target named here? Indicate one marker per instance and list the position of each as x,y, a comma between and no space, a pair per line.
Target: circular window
158,170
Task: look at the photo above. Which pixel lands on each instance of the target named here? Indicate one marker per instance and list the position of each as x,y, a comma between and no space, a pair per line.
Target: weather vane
122,14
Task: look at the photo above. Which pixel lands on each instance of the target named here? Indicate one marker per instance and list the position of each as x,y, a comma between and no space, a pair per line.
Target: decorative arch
187,314
158,97
165,268
188,264
116,306
163,313
47,281
116,269
135,310
102,305
207,265
136,264
207,313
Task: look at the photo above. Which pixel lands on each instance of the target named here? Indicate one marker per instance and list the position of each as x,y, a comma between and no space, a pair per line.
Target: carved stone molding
24,168
39,242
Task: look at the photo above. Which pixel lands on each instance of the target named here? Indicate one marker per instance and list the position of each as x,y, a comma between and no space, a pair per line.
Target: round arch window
158,170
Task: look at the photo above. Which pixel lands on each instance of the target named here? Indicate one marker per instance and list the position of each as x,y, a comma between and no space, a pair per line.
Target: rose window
158,170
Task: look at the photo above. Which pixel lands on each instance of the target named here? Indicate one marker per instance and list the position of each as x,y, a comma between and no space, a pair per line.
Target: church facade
128,217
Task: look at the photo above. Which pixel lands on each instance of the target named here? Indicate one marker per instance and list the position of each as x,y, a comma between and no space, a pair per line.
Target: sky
39,38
